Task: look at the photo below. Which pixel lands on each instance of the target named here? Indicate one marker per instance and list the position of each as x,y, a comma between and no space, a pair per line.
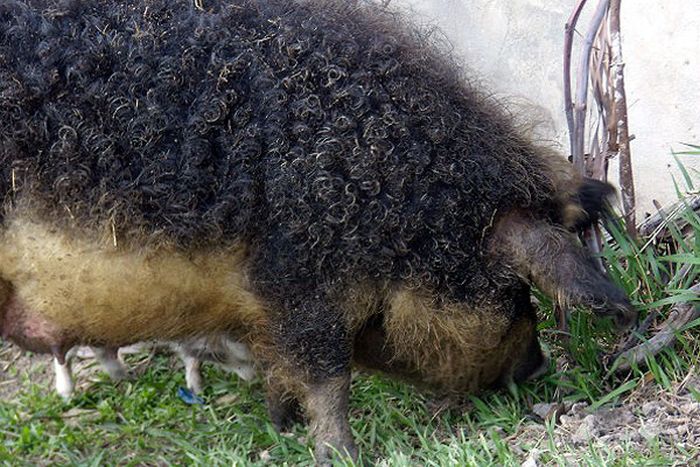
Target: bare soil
18,367
668,419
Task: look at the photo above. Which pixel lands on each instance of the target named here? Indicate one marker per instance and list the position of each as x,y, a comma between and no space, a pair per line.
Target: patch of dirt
18,366
650,413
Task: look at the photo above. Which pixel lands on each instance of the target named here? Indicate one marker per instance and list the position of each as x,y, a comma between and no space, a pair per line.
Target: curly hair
338,140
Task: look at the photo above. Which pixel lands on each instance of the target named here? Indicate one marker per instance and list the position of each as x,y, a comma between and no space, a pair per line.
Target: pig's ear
590,201
555,262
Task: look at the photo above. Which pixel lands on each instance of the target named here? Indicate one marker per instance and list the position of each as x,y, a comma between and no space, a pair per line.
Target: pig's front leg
63,374
313,341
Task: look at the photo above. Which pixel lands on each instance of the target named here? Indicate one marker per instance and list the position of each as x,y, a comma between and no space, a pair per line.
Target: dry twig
655,226
600,63
680,316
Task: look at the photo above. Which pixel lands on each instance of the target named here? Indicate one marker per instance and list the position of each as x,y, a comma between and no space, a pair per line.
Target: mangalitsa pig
316,177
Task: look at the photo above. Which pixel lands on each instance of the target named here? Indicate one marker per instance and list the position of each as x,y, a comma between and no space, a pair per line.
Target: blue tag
188,397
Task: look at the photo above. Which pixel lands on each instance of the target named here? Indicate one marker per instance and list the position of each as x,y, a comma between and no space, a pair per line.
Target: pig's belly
64,287
30,330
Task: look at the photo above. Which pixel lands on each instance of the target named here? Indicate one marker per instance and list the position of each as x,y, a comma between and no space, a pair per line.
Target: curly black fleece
334,139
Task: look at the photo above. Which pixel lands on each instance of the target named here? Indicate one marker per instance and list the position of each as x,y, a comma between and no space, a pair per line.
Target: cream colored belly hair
450,345
112,294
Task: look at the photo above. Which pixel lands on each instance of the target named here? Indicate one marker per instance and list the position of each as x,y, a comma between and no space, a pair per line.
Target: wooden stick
681,314
620,113
654,225
569,28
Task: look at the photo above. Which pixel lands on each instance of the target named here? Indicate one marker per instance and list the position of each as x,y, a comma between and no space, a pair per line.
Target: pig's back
326,127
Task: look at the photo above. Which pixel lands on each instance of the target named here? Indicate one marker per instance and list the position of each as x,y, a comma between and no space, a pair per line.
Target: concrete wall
516,46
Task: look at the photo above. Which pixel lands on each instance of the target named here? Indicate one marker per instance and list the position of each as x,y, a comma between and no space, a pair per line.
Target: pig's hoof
325,452
245,372
66,393
63,382
195,388
120,373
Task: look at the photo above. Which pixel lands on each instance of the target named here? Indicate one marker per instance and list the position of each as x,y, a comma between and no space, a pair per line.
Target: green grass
143,422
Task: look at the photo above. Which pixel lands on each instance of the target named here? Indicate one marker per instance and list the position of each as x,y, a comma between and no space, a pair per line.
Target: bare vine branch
582,87
655,225
569,29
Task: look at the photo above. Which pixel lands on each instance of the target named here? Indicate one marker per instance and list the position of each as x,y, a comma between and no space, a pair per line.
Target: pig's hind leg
109,360
193,371
238,359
